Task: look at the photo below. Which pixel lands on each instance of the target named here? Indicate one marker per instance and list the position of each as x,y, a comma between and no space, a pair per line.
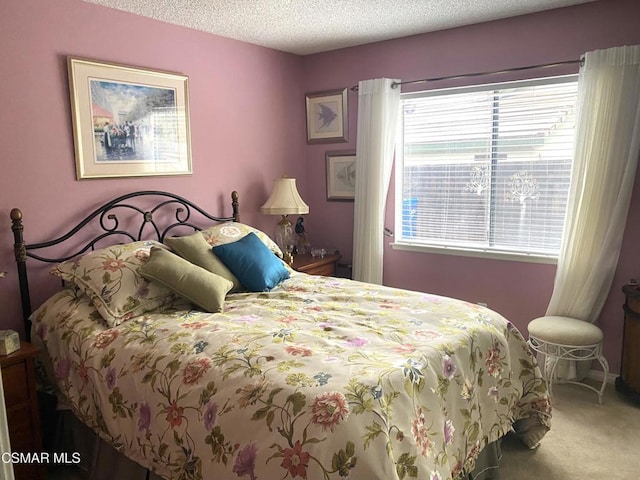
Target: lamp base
285,235
288,258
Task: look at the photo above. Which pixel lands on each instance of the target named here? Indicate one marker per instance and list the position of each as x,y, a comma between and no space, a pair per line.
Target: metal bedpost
20,252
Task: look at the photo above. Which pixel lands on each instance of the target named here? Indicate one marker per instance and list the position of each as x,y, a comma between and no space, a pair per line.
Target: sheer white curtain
606,155
378,112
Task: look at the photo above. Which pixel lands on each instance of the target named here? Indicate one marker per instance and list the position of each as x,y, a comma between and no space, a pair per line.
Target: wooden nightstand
326,265
628,382
19,383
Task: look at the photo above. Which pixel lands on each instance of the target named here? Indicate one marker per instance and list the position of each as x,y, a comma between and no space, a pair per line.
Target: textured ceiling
310,26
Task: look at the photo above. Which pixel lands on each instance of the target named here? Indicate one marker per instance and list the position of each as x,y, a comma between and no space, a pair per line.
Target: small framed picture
327,116
341,175
128,121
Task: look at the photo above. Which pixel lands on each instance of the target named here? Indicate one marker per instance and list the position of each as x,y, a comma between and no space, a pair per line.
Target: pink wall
520,291
245,104
247,127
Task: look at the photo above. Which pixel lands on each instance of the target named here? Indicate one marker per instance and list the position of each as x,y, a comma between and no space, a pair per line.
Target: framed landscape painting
128,121
327,116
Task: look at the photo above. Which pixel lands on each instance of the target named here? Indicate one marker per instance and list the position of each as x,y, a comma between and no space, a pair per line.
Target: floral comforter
321,378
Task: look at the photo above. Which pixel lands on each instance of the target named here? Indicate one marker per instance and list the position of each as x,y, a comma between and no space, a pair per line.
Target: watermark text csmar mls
40,457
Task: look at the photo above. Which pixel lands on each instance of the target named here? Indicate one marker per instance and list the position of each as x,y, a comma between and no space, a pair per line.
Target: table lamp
285,200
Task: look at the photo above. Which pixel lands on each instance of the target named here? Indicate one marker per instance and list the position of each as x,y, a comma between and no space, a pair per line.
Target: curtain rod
479,74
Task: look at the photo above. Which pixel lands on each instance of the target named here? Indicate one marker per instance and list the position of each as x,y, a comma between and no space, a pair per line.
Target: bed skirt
101,461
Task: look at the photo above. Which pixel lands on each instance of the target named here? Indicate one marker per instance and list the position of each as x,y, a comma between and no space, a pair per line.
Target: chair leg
554,353
605,369
550,365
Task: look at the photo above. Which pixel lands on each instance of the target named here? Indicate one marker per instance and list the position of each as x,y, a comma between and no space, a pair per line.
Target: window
487,169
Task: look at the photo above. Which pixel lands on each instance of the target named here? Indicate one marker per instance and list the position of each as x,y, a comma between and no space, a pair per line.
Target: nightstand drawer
327,270
16,388
21,402
316,265
21,429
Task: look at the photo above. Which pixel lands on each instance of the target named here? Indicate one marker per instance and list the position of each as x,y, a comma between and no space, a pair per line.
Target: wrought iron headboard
107,223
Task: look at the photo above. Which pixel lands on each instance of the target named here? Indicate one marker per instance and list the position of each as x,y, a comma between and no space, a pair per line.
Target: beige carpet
586,441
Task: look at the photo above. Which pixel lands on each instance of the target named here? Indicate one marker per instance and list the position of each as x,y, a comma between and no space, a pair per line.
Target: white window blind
487,168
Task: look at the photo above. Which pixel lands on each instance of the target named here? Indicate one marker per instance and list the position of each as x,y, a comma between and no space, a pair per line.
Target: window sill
469,252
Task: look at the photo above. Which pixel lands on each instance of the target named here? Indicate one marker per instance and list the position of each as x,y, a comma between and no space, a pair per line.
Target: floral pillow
110,277
233,231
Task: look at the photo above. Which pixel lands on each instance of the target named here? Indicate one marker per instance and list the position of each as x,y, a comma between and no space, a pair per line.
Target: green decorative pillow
110,277
257,267
233,231
196,250
201,287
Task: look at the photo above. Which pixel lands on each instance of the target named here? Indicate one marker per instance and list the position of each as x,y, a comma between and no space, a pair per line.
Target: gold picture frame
128,121
341,175
327,119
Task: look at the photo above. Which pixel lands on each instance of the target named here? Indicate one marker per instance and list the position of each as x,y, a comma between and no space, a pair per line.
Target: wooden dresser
326,265
19,384
628,382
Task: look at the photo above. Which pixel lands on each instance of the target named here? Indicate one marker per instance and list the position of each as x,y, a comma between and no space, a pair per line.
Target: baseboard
599,375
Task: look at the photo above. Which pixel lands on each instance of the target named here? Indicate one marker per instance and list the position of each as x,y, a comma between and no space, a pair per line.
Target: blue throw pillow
251,261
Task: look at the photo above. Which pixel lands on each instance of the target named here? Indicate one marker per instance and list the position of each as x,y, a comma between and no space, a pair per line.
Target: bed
311,377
